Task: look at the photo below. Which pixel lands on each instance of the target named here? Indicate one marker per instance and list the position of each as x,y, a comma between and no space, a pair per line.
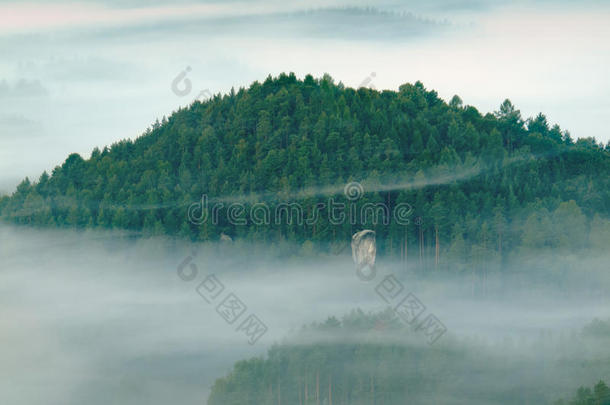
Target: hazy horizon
85,75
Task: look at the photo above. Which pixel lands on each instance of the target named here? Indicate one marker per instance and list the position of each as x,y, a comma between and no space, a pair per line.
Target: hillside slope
374,358
484,184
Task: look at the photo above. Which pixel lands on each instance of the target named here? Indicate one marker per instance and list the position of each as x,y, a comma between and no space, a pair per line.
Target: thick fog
100,317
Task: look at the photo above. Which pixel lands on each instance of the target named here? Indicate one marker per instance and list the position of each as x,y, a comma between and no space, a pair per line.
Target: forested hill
374,358
490,182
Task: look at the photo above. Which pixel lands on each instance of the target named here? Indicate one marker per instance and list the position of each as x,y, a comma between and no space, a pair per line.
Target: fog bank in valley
96,317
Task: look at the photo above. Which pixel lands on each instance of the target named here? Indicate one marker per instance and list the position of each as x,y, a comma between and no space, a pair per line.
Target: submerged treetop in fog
476,184
367,358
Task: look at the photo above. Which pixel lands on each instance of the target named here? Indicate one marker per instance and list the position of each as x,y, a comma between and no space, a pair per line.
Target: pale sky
76,75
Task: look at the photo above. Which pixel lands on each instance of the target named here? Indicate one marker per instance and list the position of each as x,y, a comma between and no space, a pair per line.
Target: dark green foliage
373,358
339,361
598,329
599,395
484,186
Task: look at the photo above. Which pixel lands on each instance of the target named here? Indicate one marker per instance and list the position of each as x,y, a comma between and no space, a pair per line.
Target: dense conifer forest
372,358
476,186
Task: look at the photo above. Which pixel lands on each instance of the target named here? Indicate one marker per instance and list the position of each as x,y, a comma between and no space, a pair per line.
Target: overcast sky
78,75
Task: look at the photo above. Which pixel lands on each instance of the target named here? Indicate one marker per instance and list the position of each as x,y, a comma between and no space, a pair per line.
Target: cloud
28,17
110,78
257,18
85,69
353,24
113,309
15,120
22,88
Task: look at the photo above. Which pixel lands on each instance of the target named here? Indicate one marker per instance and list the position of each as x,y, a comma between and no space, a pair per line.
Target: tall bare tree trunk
300,393
330,390
402,251
318,387
474,270
500,243
500,249
406,248
436,250
485,267
345,388
421,246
